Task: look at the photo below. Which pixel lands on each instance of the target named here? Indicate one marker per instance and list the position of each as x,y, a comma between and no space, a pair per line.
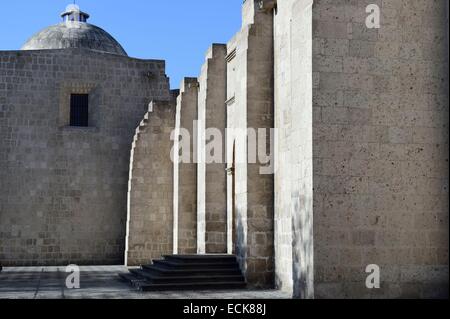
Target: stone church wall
380,140
150,193
361,152
185,169
380,148
63,190
212,201
250,105
294,255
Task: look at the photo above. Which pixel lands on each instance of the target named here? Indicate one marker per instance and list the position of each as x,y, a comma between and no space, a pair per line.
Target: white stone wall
237,119
250,105
63,191
150,187
380,140
211,169
380,148
361,152
294,264
185,170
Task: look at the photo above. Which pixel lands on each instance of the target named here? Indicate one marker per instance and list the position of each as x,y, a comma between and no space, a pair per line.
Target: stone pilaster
211,202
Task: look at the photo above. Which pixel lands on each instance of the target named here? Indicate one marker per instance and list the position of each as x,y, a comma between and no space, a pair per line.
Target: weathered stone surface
361,152
294,264
63,190
380,152
150,187
211,169
185,172
250,105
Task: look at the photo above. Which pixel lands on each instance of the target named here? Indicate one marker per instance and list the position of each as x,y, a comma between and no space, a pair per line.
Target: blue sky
177,31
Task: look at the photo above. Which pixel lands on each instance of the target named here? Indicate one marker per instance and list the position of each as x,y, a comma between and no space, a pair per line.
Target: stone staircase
188,272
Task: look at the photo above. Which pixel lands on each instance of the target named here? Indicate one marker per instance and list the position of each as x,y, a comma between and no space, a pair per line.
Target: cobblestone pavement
101,282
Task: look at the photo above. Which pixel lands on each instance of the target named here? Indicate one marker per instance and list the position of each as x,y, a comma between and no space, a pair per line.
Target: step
154,279
139,274
130,278
196,265
162,270
192,286
188,272
201,258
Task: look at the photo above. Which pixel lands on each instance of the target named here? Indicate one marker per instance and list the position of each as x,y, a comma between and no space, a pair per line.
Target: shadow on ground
100,282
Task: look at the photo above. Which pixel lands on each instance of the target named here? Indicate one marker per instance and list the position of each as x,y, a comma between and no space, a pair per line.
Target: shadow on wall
302,247
240,244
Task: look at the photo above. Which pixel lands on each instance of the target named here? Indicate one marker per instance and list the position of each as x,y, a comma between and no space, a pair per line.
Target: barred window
79,110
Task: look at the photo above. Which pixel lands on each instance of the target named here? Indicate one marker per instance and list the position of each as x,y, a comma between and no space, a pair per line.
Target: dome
74,32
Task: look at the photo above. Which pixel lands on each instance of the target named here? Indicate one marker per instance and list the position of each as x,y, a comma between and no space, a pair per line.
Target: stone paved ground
100,282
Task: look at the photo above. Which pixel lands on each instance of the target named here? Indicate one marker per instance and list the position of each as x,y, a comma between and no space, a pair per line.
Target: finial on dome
73,13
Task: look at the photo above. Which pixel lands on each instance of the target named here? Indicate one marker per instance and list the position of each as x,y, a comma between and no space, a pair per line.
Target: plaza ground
101,282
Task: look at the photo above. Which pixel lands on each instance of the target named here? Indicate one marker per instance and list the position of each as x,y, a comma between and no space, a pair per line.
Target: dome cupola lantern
73,13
